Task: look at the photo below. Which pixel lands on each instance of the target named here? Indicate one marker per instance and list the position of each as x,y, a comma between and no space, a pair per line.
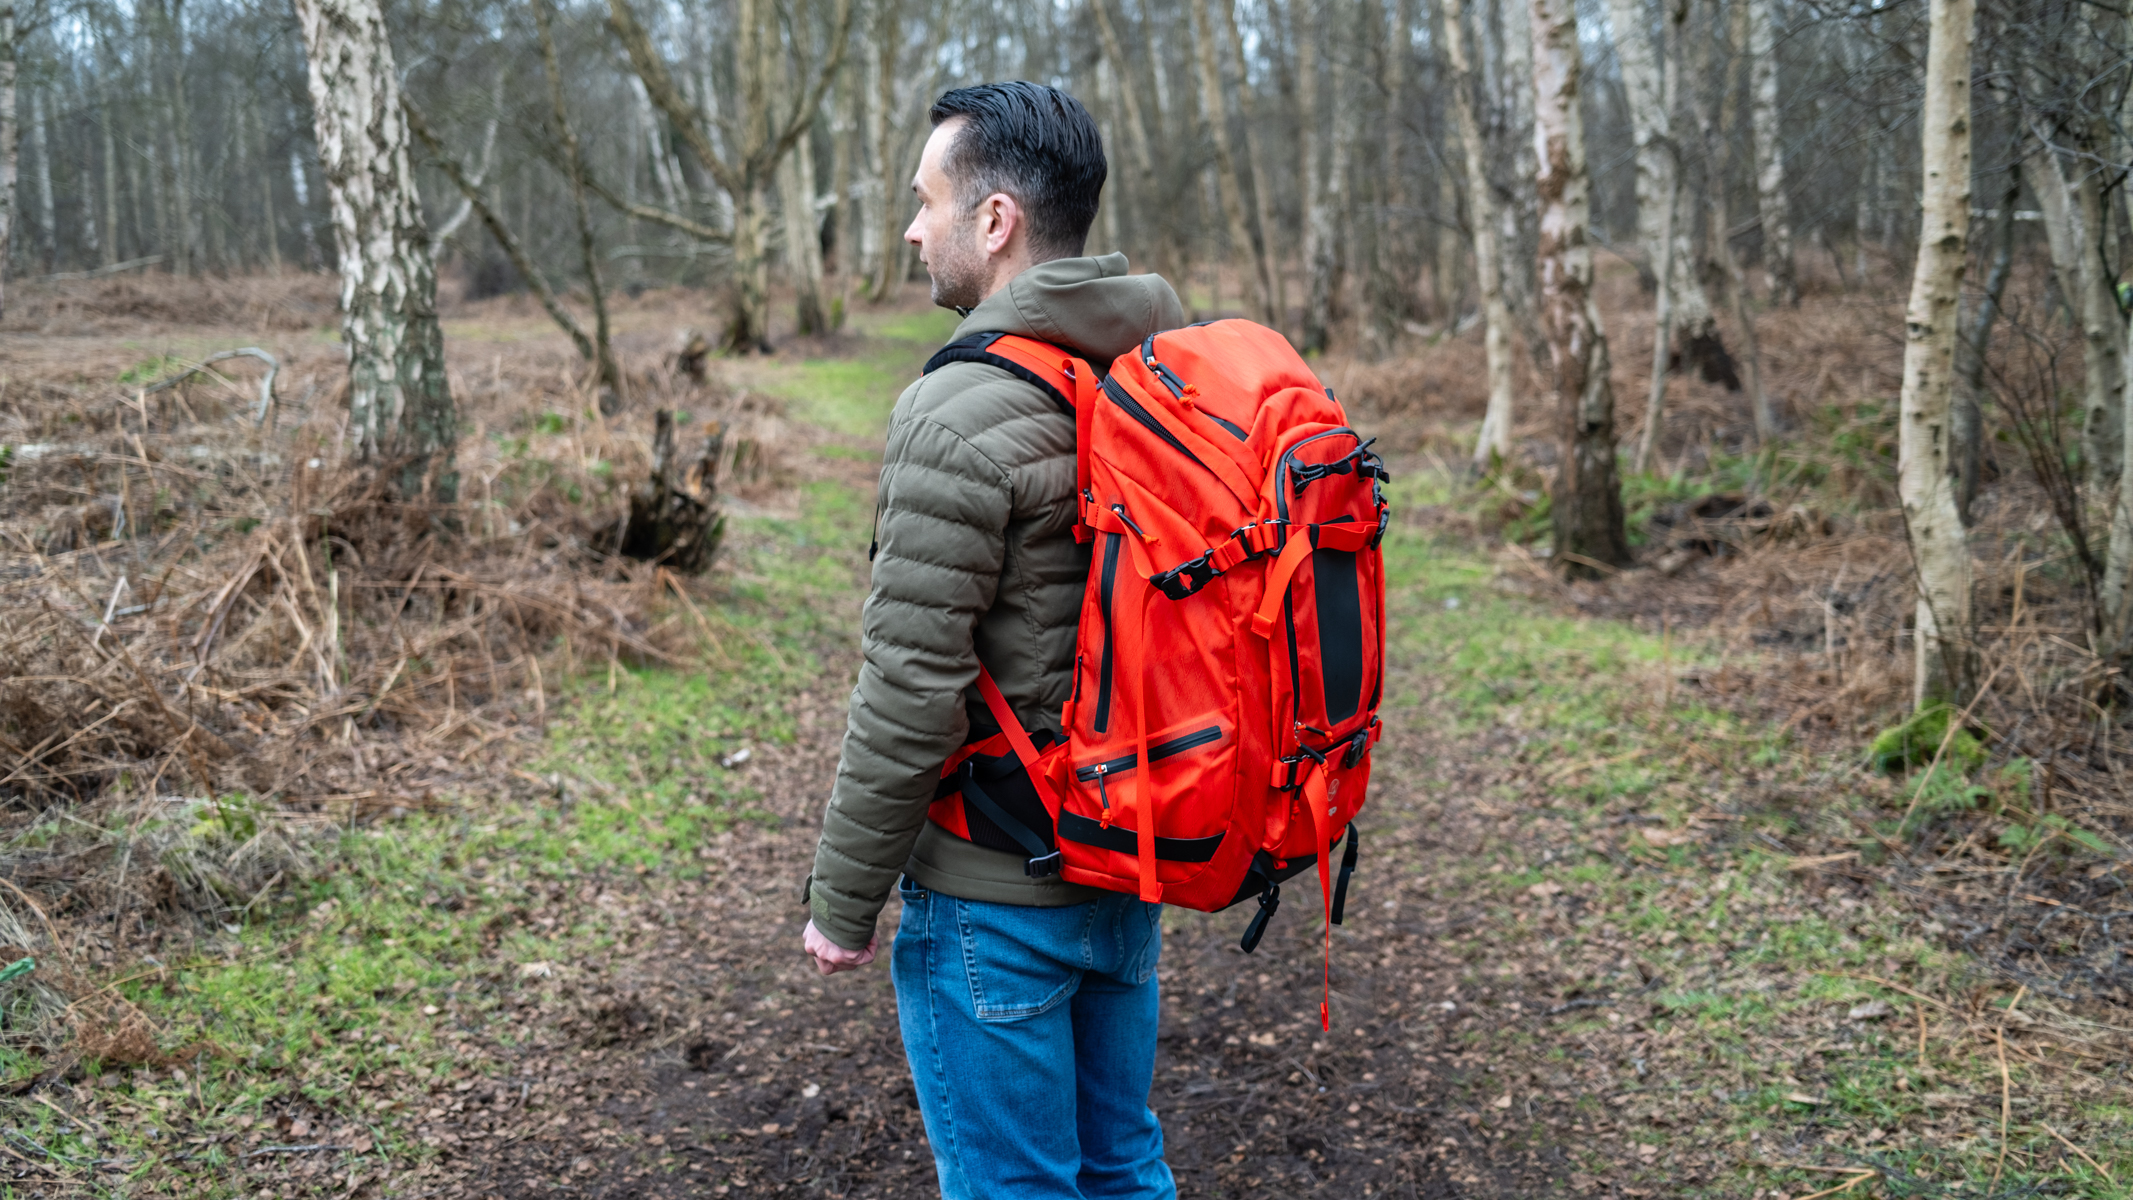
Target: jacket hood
1087,305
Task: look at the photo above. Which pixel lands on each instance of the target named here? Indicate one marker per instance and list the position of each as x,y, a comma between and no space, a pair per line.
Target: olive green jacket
974,559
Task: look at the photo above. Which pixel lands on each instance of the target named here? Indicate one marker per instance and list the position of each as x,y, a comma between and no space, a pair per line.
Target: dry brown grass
1800,575
218,640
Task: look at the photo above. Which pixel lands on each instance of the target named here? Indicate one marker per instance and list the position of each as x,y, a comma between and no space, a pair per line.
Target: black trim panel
1120,840
1112,542
1339,602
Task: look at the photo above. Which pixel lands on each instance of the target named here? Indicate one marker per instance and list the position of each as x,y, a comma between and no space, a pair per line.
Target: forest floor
1595,947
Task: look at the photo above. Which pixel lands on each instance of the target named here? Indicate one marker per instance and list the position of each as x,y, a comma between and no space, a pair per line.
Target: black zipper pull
1120,509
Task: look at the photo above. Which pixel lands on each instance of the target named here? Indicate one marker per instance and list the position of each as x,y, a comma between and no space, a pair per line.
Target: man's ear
999,219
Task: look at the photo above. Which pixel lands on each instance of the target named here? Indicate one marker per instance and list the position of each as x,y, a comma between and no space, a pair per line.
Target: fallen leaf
1503,1101
1669,837
1872,1010
1801,1098
1545,888
535,970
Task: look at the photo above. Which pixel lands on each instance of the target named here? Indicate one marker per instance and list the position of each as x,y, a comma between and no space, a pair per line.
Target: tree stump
674,514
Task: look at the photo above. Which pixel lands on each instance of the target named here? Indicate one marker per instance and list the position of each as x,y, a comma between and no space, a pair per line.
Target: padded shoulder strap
1026,359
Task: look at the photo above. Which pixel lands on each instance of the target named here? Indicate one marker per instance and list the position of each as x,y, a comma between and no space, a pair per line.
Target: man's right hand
830,957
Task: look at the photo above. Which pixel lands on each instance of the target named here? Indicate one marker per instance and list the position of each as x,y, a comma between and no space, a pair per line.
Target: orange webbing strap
1302,540
1018,738
1134,647
1277,582
1320,803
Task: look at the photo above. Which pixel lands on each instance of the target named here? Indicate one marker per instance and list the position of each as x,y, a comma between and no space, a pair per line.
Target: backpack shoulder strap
1027,359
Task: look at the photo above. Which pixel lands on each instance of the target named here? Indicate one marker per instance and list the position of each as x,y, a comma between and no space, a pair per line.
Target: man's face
949,238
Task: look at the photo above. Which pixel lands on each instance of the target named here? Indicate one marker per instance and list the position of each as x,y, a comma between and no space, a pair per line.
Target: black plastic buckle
1039,868
1187,577
1358,746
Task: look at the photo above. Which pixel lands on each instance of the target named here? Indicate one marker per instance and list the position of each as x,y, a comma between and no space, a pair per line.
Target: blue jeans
1031,1037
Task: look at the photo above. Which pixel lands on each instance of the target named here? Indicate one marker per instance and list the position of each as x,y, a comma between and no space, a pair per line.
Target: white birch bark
1770,155
47,213
1587,499
400,405
1925,448
1657,156
2070,231
1494,444
803,237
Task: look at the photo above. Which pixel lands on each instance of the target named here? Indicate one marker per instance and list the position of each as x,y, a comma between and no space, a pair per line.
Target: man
1028,1005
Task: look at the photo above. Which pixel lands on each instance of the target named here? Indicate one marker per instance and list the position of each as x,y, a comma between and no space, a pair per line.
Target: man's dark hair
1034,143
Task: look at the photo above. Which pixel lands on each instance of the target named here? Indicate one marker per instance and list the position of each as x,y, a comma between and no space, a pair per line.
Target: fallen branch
266,382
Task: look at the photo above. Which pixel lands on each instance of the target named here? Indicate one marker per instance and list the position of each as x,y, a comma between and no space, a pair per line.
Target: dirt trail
710,1050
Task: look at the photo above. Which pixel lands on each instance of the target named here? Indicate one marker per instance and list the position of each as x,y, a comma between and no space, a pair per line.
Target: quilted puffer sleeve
941,537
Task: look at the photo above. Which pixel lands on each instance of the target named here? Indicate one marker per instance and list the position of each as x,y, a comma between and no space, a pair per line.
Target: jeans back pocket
1013,957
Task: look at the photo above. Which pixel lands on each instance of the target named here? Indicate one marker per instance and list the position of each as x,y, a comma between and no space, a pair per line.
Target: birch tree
1215,108
1945,668
781,89
1769,155
2071,229
399,402
1586,503
1494,444
1658,158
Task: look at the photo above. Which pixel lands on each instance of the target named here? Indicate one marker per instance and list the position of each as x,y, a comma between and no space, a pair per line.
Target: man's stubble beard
958,269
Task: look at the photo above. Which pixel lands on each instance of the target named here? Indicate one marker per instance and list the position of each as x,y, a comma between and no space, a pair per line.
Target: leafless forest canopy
181,133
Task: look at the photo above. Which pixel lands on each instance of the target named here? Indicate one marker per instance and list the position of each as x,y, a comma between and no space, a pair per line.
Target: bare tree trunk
843,170
1494,444
613,389
749,325
1969,419
1269,259
1308,29
884,256
2074,245
1215,107
110,169
47,213
1770,156
742,156
269,224
1718,154
400,403
1651,112
1945,664
803,237
1663,326
1587,498
10,137
181,144
1149,218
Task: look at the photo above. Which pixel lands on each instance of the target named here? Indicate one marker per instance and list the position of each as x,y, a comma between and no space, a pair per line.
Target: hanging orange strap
1317,799
1277,582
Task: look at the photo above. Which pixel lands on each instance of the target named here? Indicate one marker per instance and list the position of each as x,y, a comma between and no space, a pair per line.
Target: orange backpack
1231,636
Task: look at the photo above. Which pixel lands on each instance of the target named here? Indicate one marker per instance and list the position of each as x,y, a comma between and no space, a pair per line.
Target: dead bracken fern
219,639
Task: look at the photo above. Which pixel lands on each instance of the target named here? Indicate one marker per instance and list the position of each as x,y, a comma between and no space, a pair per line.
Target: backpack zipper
1147,419
1112,541
1176,745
